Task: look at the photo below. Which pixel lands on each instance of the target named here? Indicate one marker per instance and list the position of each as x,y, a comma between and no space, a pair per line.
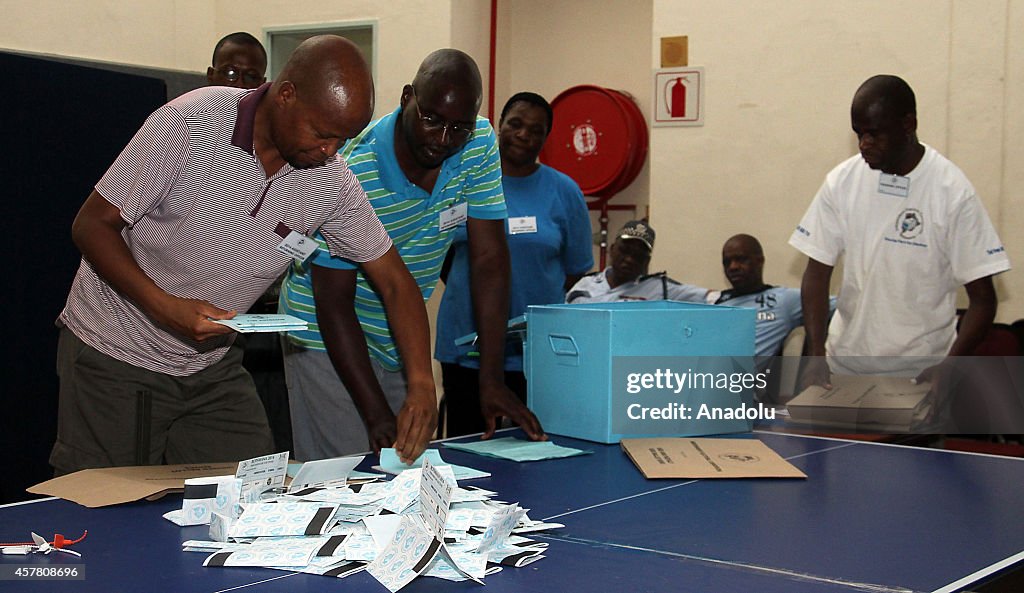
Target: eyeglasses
457,131
233,74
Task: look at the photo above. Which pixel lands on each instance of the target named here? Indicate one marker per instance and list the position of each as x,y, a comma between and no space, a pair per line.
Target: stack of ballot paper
421,523
514,449
863,402
249,323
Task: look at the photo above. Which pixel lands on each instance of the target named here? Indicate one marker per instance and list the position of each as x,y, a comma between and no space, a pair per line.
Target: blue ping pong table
869,518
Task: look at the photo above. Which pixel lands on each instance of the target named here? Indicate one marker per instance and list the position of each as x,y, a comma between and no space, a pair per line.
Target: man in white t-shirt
911,230
626,279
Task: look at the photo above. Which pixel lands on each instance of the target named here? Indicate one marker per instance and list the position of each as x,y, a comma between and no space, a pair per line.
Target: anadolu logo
910,223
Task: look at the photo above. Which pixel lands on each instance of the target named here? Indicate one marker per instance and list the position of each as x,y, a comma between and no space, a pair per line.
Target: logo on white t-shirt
910,223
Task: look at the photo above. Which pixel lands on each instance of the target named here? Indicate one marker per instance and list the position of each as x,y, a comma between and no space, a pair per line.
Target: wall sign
678,97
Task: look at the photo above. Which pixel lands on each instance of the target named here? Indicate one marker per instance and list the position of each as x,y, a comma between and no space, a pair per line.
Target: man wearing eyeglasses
239,60
427,167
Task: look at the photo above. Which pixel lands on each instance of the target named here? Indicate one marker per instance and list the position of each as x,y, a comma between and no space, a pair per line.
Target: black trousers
462,397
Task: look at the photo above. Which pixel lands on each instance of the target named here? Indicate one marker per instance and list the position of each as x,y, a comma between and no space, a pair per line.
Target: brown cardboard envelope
680,457
115,485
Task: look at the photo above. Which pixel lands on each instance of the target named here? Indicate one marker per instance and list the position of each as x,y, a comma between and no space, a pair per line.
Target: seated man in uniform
626,279
778,308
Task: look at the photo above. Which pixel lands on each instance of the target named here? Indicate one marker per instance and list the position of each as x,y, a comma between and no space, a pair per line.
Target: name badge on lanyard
522,224
295,244
453,217
894,185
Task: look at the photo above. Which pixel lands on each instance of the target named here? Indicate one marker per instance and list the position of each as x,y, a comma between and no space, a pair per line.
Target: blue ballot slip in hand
515,449
263,322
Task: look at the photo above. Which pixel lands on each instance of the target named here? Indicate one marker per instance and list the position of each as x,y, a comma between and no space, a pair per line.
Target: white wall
470,32
175,34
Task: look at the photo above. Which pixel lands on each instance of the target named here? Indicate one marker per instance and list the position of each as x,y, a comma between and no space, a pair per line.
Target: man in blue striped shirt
427,167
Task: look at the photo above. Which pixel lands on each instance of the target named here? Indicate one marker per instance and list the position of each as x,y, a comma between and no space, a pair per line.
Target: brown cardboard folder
675,457
114,485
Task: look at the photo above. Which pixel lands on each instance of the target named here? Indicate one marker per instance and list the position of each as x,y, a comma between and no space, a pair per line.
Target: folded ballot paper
251,323
205,497
421,523
390,463
888,404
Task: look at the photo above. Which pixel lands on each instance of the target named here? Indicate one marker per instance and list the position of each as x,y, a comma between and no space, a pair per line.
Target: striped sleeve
483,180
324,258
355,233
149,165
297,299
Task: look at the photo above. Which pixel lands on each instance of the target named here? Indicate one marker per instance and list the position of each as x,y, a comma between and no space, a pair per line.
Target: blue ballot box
607,371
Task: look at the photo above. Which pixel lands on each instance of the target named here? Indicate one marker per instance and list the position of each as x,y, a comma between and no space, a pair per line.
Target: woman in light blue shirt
549,240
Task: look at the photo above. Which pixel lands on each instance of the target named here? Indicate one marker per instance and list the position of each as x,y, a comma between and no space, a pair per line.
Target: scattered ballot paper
419,538
515,449
247,323
503,521
205,497
294,467
263,519
404,490
296,552
421,523
324,472
261,474
680,457
390,463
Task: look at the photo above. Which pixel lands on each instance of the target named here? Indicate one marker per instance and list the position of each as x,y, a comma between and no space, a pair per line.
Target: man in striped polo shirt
426,167
186,226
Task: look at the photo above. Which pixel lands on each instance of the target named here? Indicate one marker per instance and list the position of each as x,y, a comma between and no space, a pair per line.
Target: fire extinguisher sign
679,97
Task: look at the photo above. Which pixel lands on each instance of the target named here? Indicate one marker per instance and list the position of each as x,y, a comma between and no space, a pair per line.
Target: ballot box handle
565,349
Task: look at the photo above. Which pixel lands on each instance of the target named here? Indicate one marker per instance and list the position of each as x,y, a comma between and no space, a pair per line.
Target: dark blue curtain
62,126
